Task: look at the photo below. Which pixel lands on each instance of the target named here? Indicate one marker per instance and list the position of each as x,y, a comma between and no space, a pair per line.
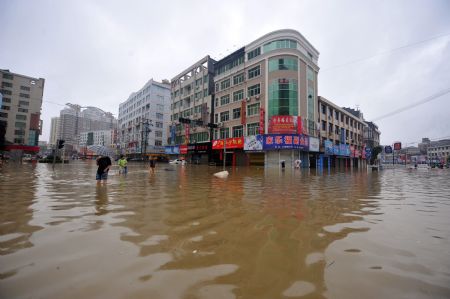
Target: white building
144,118
54,130
100,137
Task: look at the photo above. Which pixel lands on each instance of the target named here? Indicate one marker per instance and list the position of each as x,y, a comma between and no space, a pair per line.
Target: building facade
371,135
341,132
144,118
20,123
102,137
191,102
54,131
439,151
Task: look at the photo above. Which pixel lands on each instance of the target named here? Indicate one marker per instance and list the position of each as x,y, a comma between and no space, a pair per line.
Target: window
18,140
236,113
3,114
225,100
283,94
5,92
252,54
224,84
280,44
253,109
324,109
24,95
224,133
205,79
238,131
253,90
20,124
254,72
198,82
158,134
6,107
217,102
216,118
324,125
310,74
238,95
24,88
158,124
285,63
217,87
159,116
252,129
8,76
238,79
21,117
6,84
158,142
6,100
19,132
336,115
226,67
23,103
224,116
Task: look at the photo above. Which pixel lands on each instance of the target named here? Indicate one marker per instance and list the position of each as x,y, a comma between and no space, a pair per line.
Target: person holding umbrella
103,163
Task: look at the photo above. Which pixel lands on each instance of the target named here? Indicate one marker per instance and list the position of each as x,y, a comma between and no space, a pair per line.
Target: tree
375,151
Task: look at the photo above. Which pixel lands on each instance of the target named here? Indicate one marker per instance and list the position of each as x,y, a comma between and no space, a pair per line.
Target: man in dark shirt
104,163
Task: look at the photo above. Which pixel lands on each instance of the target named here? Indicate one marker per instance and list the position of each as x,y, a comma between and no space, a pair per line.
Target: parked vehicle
177,161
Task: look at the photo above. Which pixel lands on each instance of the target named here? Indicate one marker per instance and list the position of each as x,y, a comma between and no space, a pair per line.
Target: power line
385,52
423,101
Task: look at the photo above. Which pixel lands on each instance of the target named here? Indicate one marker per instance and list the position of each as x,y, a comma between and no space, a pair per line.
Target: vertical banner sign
343,137
172,134
186,131
243,113
299,125
397,146
261,121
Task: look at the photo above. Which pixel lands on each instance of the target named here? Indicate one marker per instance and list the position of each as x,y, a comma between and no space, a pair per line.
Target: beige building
54,130
20,110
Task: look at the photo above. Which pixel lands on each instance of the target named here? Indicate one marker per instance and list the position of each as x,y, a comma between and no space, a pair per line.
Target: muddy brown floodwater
260,233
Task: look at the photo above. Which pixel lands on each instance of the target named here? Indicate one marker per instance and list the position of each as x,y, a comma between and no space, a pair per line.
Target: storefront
234,152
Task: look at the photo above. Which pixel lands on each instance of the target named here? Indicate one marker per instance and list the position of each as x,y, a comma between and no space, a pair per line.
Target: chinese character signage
253,143
313,144
199,147
186,131
397,146
368,152
183,149
328,147
172,150
172,134
388,149
285,141
236,142
285,124
261,121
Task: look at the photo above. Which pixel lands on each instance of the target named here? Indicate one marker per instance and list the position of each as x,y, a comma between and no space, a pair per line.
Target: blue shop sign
328,147
368,152
285,141
172,150
388,149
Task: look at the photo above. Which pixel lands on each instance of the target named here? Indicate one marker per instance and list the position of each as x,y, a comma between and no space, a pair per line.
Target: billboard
253,143
285,141
328,147
313,144
388,149
171,150
235,142
284,124
397,146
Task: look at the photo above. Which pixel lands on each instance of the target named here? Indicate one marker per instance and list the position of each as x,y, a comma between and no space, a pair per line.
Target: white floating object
221,174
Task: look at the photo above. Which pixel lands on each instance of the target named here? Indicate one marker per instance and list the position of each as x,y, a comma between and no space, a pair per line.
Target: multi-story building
341,134
76,119
102,137
191,102
54,131
20,123
144,118
371,135
439,151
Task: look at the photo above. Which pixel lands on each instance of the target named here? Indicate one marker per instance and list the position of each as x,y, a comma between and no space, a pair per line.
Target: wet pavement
260,233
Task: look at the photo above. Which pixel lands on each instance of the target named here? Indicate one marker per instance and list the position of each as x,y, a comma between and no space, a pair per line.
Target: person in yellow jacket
123,165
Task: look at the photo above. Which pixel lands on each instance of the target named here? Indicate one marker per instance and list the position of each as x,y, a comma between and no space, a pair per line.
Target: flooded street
182,233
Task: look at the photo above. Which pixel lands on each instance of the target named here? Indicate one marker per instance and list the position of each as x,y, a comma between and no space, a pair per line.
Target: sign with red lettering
183,149
186,132
261,120
236,142
285,124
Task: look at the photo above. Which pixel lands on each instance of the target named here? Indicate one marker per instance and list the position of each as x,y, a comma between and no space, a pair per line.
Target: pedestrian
123,168
103,163
152,164
283,164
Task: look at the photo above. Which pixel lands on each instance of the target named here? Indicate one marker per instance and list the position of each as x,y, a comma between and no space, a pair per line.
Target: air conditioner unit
219,125
257,98
248,99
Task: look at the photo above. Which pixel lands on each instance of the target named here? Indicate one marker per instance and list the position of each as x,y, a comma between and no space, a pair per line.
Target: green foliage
375,151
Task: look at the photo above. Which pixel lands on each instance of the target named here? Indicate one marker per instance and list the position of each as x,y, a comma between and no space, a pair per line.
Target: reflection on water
181,233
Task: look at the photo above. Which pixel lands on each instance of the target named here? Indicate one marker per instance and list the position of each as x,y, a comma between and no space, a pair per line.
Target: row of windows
239,95
276,64
238,79
280,44
237,131
230,65
252,110
10,85
5,107
254,53
348,120
8,76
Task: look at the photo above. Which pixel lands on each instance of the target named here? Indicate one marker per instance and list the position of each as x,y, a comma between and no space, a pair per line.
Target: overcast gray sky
97,52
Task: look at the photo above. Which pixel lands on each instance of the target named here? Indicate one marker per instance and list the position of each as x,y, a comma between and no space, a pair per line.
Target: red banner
183,149
261,120
299,125
397,146
243,113
186,132
236,142
285,124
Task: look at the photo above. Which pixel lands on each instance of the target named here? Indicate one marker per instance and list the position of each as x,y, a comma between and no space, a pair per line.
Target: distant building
54,130
423,146
20,123
144,118
439,151
371,135
102,137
